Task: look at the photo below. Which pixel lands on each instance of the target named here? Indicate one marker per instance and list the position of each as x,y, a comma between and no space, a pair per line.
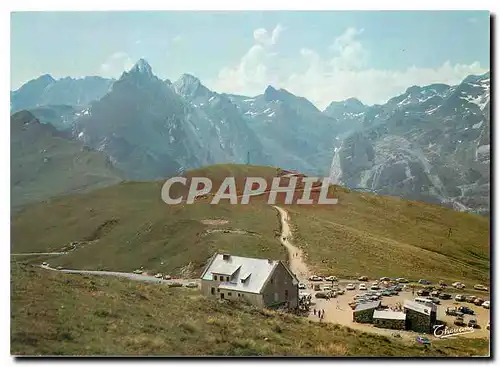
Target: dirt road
295,254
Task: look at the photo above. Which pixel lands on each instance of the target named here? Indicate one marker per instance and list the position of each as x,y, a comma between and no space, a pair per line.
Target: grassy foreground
62,314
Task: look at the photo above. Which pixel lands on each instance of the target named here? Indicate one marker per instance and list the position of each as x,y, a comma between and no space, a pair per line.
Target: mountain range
430,143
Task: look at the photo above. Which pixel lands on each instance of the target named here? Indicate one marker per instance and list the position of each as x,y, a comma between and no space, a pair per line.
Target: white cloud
263,37
342,74
116,64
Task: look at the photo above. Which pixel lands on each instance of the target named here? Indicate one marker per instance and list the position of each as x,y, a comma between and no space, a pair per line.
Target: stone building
261,282
389,319
420,317
363,312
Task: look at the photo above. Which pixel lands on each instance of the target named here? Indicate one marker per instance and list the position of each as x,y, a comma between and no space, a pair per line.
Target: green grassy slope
128,226
61,314
377,236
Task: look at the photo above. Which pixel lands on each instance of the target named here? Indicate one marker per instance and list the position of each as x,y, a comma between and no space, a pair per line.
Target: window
227,279
229,294
213,290
215,277
272,280
218,290
239,294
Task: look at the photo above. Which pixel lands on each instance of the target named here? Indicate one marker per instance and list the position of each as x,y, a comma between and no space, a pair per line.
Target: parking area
338,310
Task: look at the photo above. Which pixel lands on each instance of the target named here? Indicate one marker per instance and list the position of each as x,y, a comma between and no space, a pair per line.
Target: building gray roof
389,315
419,307
367,306
255,272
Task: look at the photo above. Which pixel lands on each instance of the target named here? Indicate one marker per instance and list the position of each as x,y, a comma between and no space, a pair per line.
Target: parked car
422,292
435,293
442,283
315,278
386,293
478,301
423,281
453,312
470,299
383,279
350,287
435,300
340,291
302,286
397,288
472,323
167,277
321,295
458,285
138,271
192,285
59,267
466,310
402,280
362,287
45,263
158,275
459,298
423,340
327,288
459,320
363,279
480,287
444,296
486,304
331,278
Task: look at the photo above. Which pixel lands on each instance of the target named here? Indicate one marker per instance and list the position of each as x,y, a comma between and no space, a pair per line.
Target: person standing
314,310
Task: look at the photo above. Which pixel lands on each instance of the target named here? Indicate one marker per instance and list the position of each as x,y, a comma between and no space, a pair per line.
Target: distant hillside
127,225
61,314
44,163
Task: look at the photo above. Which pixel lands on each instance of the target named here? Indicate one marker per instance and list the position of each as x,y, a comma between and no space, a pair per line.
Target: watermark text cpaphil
307,190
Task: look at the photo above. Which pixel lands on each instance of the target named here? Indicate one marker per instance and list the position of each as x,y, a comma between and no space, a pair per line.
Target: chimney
225,256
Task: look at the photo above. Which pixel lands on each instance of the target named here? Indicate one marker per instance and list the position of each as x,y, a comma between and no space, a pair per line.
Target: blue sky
322,56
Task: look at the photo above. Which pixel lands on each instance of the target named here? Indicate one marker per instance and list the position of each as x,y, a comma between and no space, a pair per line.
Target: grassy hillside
377,236
61,314
45,164
127,225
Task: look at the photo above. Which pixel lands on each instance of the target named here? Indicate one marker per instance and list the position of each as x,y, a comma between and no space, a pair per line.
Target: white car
374,287
302,286
327,288
340,291
458,285
486,304
315,278
167,277
158,275
350,287
45,264
331,278
362,287
138,271
192,285
459,298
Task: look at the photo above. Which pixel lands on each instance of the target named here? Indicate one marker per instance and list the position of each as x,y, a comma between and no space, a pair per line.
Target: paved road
132,276
39,253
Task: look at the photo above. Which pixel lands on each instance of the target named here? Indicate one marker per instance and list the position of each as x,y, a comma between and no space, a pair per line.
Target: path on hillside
295,254
38,253
132,276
